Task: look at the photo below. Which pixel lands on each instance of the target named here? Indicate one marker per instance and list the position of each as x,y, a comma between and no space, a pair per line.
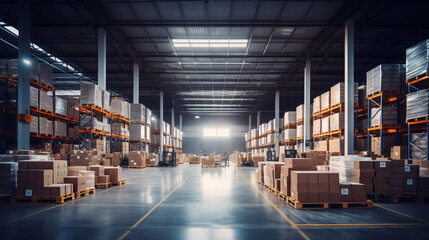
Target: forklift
225,159
168,159
271,156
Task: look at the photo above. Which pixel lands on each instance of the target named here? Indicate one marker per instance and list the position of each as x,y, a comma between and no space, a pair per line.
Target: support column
24,68
102,58
250,122
136,86
161,124
307,105
277,121
180,123
258,119
172,122
349,87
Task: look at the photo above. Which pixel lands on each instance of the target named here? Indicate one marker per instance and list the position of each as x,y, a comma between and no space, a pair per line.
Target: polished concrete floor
190,202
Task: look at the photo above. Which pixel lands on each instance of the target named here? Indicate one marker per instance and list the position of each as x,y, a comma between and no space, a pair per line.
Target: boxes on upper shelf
385,77
417,60
418,104
137,113
91,94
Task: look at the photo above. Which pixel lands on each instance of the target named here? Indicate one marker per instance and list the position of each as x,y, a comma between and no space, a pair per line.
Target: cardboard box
115,173
103,179
346,192
98,170
79,183
399,152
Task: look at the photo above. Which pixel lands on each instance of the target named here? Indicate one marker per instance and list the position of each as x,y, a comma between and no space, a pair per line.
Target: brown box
98,170
334,197
115,173
299,162
334,183
299,181
399,152
312,182
378,188
313,197
57,189
323,180
79,183
324,197
346,192
74,170
103,179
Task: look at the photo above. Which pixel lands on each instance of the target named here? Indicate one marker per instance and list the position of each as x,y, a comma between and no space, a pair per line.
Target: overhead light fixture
153,118
26,61
197,117
210,43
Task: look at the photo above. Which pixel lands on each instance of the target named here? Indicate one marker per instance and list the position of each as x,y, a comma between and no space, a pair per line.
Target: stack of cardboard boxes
152,159
42,178
194,160
137,159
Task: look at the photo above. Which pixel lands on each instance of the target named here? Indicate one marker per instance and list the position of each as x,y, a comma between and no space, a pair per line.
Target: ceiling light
153,118
26,61
210,43
197,117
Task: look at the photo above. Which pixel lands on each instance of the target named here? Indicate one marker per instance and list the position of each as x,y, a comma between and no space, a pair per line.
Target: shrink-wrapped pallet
106,100
417,60
344,165
317,126
300,112
420,148
45,74
43,126
119,107
96,124
362,100
338,94
299,131
325,124
49,128
34,97
12,69
137,131
148,115
147,133
289,134
325,100
45,101
317,104
385,77
137,113
254,133
336,121
61,106
3,67
418,104
60,129
91,94
389,116
289,117
34,125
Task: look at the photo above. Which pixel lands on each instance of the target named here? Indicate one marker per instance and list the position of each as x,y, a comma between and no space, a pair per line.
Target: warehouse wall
195,143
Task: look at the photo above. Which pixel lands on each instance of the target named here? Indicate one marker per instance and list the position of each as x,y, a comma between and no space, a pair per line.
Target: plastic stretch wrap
34,97
12,69
336,121
344,165
106,100
418,104
34,125
86,123
148,115
106,127
389,116
42,125
362,100
60,129
317,126
3,67
137,131
147,133
300,131
266,177
338,94
417,62
289,117
49,128
317,104
137,113
419,152
385,77
299,112
45,101
45,74
289,134
61,106
253,133
121,107
325,100
91,94
325,124
8,178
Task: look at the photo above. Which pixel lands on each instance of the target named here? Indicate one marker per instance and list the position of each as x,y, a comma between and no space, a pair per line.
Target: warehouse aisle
190,202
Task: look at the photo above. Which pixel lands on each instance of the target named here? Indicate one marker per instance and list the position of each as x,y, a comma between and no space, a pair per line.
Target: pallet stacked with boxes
384,87
289,129
300,127
138,126
120,121
211,161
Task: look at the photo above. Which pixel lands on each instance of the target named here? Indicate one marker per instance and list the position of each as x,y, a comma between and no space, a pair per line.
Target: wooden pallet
271,189
84,193
418,119
35,199
180,163
151,165
136,166
120,183
102,185
46,111
298,205
380,197
282,196
381,92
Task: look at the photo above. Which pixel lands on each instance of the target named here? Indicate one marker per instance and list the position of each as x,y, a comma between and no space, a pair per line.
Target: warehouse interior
214,119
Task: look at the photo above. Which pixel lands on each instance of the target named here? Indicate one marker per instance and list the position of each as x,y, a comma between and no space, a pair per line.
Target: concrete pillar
172,122
180,122
258,119
136,86
307,104
24,69
349,87
161,124
102,58
277,120
250,122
